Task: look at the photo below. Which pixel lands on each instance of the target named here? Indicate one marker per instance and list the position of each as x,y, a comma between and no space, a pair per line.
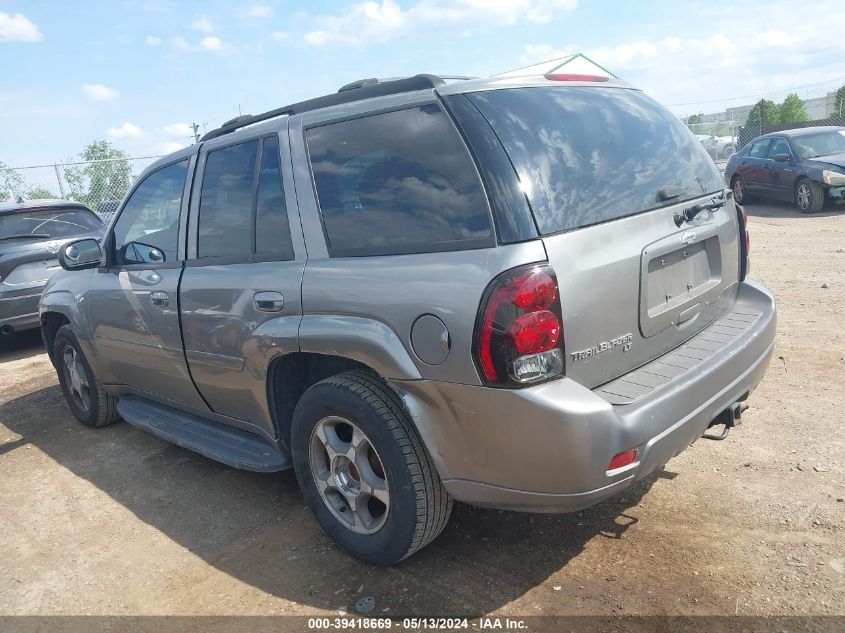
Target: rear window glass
225,217
53,223
589,155
398,182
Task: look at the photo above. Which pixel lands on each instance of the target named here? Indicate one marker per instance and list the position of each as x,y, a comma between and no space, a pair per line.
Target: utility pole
196,128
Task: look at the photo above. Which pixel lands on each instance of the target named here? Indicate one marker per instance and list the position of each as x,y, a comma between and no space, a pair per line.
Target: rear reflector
572,77
622,459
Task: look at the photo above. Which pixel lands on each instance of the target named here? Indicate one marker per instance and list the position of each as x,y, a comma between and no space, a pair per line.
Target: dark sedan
805,166
31,234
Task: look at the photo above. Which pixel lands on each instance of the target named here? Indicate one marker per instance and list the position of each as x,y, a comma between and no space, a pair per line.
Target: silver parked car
519,293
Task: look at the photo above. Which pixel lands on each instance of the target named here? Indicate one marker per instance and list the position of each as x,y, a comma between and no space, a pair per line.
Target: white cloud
99,92
18,28
167,147
203,24
152,40
178,129
258,11
374,21
279,35
208,43
211,43
695,71
127,130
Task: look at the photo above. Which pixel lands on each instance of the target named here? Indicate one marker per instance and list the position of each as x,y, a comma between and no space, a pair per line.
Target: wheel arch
290,375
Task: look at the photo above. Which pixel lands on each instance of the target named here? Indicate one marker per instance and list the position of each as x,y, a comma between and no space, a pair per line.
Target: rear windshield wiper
24,236
689,213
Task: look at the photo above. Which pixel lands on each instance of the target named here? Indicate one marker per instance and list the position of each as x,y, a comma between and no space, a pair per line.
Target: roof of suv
376,91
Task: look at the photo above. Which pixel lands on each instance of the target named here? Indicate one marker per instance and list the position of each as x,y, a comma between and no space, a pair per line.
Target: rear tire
740,191
809,196
85,396
384,502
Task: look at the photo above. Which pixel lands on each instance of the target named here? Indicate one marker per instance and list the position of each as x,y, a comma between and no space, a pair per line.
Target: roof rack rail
355,91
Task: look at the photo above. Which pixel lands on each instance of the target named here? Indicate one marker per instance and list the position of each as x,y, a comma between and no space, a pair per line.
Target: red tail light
744,242
573,77
519,334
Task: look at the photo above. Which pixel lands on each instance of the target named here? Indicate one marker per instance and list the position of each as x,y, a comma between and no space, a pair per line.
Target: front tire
86,398
364,471
809,196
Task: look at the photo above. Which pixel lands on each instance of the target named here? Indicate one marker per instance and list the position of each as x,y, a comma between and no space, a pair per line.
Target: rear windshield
589,155
52,223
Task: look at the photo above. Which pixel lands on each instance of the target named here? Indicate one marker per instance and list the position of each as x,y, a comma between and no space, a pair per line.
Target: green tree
839,103
764,112
106,176
694,119
39,193
11,183
792,110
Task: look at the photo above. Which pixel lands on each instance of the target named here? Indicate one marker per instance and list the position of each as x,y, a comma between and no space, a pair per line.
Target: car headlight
834,178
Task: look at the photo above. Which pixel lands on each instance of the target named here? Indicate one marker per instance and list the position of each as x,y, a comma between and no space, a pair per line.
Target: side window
779,146
272,231
225,210
147,230
758,150
398,182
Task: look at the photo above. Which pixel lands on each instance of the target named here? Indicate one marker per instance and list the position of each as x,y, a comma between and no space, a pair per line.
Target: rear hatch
606,169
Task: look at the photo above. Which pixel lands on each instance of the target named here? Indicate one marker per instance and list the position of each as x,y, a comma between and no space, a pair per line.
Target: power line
760,94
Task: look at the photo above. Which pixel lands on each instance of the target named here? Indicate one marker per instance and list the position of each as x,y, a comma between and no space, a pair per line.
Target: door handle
268,301
160,298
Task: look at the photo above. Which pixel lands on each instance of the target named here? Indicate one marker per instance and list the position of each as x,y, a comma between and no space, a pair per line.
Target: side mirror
80,254
781,158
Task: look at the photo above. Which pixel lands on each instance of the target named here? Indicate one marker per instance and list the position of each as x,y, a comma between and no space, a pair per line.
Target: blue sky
139,71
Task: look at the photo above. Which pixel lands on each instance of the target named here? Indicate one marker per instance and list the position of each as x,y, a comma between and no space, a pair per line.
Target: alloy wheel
349,475
739,190
76,378
803,196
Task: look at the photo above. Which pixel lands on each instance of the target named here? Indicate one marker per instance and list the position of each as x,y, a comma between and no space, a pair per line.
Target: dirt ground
116,521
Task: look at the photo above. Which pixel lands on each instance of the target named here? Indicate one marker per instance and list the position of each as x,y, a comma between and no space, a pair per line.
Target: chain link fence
98,184
724,132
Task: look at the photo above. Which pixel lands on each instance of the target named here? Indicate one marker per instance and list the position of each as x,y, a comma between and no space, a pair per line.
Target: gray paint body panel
537,448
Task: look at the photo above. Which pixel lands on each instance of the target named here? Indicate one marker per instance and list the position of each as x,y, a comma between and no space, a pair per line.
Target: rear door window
225,213
397,182
272,231
589,155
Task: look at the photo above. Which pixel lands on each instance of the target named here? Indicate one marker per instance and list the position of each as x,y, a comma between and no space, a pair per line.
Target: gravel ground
116,521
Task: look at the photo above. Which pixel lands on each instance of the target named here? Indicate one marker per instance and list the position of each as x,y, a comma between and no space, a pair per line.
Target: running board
226,444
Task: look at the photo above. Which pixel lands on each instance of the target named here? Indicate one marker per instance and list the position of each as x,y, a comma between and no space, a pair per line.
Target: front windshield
821,144
53,223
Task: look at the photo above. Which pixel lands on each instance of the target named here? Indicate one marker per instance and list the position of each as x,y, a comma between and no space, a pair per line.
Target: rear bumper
20,312
546,448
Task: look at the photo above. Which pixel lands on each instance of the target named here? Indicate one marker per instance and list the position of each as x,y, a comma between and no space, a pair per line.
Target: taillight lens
519,334
744,242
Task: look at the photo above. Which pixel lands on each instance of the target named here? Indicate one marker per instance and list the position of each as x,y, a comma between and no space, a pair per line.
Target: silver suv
519,293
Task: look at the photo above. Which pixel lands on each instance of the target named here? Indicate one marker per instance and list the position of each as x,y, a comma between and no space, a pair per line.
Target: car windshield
589,155
821,144
54,223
